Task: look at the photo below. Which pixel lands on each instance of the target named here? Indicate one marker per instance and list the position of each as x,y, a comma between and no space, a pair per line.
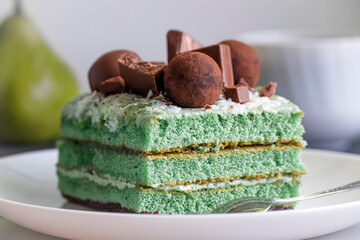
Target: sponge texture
141,125
153,201
179,168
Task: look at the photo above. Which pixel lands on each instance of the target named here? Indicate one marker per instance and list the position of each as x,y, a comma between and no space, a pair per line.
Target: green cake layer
165,202
138,123
150,156
168,169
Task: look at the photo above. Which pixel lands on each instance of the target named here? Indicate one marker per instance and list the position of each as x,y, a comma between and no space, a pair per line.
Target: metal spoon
255,204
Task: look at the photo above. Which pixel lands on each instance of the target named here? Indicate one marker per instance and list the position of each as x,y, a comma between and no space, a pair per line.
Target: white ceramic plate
28,197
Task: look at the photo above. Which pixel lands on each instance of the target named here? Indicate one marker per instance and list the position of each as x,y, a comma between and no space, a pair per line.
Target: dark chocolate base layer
116,207
104,207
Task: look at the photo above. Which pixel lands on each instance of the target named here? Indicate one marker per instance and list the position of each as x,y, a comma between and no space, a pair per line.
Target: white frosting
256,104
120,184
130,107
83,104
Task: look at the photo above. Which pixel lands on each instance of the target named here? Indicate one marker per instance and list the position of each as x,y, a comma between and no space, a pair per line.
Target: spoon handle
344,188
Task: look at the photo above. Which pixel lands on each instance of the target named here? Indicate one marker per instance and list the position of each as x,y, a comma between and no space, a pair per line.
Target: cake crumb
155,95
268,90
166,102
207,106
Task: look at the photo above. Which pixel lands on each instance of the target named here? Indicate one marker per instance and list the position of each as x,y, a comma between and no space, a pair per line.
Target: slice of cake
183,148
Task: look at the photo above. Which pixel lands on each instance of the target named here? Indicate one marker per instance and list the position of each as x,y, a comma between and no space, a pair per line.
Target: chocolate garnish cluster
231,64
106,66
194,77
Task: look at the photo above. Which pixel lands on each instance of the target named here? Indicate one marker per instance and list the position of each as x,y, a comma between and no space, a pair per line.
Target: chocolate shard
207,107
112,86
238,93
268,90
141,77
222,55
178,42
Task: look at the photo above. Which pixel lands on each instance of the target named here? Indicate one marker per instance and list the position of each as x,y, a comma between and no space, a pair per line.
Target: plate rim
65,219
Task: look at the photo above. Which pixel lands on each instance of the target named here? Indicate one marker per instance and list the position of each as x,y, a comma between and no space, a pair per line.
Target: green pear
34,84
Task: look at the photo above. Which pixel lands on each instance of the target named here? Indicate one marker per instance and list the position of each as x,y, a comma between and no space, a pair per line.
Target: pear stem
18,7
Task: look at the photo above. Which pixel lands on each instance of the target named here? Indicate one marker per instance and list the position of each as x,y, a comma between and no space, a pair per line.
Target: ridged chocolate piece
193,80
106,66
245,62
141,77
178,42
222,55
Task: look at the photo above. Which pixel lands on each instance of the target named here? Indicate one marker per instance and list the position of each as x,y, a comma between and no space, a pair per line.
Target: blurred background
80,31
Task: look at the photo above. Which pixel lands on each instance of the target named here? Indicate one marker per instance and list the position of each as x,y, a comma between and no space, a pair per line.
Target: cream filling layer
107,180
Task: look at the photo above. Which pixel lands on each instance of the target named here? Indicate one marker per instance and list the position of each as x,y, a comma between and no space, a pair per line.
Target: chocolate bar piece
222,55
112,86
238,93
141,77
178,42
245,61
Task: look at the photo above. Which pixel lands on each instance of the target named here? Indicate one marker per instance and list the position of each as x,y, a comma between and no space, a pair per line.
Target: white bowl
320,71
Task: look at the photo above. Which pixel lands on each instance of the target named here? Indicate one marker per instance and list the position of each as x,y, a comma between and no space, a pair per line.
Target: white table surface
11,231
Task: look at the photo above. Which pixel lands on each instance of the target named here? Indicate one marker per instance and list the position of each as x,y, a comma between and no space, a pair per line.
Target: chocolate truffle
245,61
107,66
193,80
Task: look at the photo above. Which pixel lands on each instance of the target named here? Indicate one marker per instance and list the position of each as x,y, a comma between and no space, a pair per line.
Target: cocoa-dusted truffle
245,61
193,80
107,66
